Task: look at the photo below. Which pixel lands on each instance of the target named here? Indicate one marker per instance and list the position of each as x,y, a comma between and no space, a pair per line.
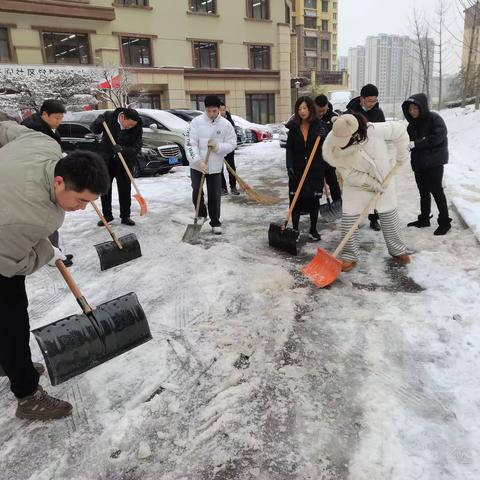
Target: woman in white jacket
359,152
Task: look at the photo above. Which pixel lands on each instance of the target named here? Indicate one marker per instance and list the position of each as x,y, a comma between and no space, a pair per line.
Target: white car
282,135
260,132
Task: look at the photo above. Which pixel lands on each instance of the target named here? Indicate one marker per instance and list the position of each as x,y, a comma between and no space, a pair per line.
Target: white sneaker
217,230
201,220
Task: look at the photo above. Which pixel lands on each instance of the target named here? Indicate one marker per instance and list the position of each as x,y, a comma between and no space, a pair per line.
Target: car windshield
168,119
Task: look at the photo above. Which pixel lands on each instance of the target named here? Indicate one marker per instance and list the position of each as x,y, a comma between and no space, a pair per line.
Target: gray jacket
28,210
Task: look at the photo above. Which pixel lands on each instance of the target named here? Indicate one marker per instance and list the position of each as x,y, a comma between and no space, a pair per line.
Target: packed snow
253,373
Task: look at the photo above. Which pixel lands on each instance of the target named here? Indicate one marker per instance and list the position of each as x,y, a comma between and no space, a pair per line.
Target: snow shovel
325,267
80,342
193,230
332,210
120,250
138,196
279,236
258,197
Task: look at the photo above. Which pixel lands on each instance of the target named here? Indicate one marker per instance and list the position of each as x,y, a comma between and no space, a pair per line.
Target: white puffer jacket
200,131
364,166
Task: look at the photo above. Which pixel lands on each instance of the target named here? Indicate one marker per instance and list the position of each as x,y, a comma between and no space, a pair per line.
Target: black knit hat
369,90
212,101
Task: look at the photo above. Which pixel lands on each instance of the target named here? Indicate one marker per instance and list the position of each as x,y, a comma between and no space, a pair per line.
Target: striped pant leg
351,249
390,222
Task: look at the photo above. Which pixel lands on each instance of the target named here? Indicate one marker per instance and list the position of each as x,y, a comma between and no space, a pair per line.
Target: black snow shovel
120,250
80,342
193,230
332,210
279,236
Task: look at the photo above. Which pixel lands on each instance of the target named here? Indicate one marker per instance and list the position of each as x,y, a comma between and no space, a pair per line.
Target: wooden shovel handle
302,181
200,190
107,225
67,276
125,166
365,211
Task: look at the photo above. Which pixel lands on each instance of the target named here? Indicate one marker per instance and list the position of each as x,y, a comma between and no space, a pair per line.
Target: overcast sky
360,18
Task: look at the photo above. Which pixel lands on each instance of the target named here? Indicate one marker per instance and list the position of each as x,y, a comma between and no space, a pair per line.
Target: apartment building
356,68
315,25
471,48
177,51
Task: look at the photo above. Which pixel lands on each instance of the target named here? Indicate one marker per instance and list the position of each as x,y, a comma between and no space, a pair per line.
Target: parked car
159,127
259,132
282,135
153,159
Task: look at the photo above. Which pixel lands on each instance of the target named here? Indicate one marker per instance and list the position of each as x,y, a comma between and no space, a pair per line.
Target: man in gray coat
37,186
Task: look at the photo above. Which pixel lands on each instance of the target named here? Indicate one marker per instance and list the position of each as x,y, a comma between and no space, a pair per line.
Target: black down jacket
35,122
298,152
429,133
375,114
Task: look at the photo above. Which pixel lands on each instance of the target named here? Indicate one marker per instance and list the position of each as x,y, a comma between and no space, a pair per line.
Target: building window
136,51
310,22
68,48
197,101
260,57
324,25
260,107
135,3
146,100
311,43
205,54
324,6
203,6
5,55
258,9
325,46
325,64
310,3
310,63
334,6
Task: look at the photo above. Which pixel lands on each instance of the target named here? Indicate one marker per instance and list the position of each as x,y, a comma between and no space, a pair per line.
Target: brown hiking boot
402,259
41,406
38,367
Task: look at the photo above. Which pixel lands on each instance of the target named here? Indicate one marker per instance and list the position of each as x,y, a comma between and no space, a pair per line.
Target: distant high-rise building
342,63
471,45
394,64
356,68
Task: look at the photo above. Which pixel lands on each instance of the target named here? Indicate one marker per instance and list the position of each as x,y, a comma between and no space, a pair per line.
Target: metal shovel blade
283,238
78,343
192,233
331,211
111,256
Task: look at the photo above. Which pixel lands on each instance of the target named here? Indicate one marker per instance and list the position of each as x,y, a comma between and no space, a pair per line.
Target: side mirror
153,126
90,136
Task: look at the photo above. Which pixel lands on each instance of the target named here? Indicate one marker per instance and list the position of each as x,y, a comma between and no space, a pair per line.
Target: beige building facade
176,51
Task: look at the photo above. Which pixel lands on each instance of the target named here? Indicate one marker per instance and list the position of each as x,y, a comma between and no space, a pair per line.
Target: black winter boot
421,222
374,225
443,227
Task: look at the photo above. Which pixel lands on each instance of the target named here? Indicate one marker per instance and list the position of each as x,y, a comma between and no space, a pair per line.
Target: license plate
172,160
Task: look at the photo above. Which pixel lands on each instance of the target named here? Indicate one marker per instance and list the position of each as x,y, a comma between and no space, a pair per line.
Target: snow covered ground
253,373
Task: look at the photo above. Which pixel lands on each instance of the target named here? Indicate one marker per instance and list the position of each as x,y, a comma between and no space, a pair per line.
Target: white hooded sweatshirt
200,131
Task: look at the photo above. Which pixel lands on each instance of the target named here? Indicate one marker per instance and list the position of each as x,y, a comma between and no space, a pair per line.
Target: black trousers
429,183
313,211
124,187
230,159
332,182
214,192
15,355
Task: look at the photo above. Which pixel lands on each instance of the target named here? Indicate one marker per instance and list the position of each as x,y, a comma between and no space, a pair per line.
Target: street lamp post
297,87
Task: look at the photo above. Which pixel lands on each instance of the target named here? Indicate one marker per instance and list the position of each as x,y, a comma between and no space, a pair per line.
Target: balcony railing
326,77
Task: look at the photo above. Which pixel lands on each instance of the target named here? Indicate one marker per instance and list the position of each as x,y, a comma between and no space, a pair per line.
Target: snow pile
463,170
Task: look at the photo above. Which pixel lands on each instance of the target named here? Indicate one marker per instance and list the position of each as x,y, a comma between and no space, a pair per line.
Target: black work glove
117,148
291,173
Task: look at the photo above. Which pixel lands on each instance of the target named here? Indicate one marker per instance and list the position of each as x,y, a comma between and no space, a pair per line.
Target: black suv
151,160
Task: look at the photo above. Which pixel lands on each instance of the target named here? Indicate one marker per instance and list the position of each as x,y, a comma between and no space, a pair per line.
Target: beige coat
28,210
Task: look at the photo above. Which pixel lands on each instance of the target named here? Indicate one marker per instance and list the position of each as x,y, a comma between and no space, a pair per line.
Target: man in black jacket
47,122
367,104
126,127
429,153
324,111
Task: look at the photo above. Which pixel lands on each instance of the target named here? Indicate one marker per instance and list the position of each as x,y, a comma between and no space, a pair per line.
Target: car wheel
135,170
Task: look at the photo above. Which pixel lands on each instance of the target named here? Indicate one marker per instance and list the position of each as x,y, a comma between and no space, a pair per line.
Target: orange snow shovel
138,197
325,267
